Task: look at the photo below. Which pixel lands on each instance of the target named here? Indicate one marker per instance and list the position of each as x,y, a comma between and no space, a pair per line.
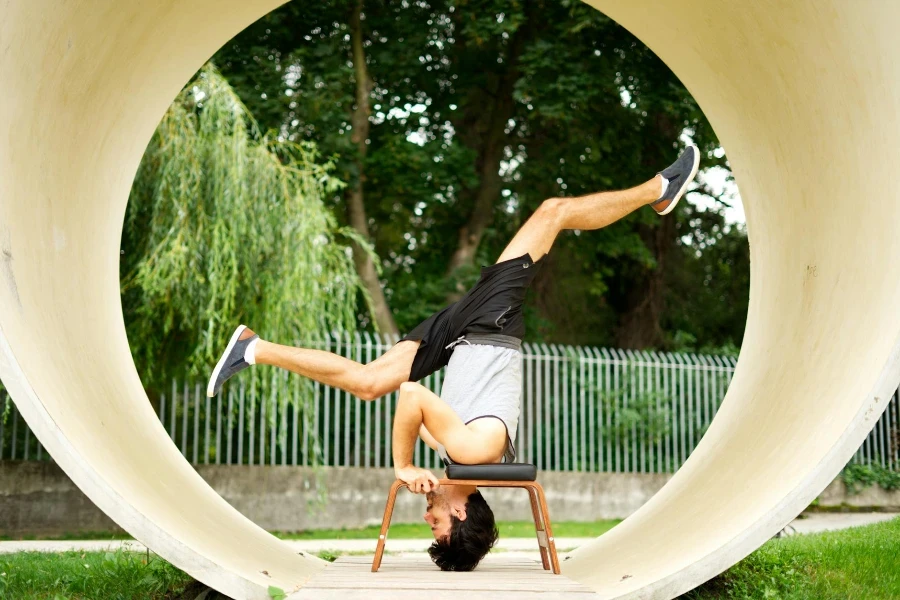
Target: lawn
411,531
862,563
517,529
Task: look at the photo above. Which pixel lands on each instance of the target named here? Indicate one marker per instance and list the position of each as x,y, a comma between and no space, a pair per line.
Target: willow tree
226,225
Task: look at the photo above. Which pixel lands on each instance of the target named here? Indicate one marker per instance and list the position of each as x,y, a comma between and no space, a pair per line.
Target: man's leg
593,211
373,380
599,210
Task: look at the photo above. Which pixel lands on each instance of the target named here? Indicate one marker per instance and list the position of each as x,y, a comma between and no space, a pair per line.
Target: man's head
463,527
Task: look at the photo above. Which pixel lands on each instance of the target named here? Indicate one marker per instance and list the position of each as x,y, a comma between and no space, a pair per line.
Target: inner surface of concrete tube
805,97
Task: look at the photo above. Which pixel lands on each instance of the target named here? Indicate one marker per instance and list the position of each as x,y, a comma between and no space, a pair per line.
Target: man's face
437,514
443,503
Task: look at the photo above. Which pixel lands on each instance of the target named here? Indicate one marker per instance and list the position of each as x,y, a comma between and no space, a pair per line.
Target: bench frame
538,509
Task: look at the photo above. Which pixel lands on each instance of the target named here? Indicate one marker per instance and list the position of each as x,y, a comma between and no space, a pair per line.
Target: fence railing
583,409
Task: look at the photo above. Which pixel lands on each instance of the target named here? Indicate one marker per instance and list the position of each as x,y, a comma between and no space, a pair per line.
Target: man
478,338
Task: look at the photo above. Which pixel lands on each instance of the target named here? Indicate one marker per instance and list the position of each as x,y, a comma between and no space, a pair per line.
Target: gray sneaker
232,361
679,174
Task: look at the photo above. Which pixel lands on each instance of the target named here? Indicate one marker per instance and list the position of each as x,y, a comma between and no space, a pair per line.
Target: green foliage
643,418
276,593
858,476
590,108
329,555
859,563
227,225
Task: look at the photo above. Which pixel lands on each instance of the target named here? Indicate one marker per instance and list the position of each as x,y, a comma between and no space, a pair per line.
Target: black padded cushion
494,472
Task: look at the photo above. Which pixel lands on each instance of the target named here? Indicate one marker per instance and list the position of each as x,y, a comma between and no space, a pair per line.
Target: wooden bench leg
545,513
385,524
539,527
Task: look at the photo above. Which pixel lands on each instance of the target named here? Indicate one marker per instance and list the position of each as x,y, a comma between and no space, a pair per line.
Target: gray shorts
485,381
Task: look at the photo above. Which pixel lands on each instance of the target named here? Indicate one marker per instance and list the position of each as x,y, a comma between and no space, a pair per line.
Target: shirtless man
478,338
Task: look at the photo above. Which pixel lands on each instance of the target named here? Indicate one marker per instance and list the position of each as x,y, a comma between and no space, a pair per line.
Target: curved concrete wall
805,97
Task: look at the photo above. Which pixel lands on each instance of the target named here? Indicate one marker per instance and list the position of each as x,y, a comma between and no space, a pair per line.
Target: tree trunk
483,128
356,208
639,324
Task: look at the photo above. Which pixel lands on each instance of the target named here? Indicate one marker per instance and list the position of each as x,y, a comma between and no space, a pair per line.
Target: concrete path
810,523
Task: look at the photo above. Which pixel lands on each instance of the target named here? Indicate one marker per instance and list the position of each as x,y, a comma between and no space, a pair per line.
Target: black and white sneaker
232,361
678,176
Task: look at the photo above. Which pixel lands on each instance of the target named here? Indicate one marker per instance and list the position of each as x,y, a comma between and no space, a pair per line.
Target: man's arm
408,420
427,437
418,406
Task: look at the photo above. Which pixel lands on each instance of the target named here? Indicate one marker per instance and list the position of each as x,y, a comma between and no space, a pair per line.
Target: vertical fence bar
282,433
683,419
582,410
14,417
553,426
546,424
672,388
219,428
388,441
643,426
530,416
229,429
357,409
297,437
4,398
328,438
348,406
631,388
251,423
366,457
185,410
207,419
196,440
607,402
656,449
240,431
263,410
376,421
592,424
562,362
620,385
173,408
895,403
26,443
668,433
595,413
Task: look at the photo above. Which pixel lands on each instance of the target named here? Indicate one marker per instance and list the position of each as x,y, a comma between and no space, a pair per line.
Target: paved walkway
811,523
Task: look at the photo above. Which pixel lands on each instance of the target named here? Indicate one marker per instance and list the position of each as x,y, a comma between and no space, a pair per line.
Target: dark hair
469,540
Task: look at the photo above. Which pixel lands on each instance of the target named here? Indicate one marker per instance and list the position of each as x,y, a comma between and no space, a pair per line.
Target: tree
227,225
481,109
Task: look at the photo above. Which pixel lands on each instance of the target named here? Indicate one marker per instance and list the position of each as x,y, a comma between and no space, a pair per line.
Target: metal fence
583,409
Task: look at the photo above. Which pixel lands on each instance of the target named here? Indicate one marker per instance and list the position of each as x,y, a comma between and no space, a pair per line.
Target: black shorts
492,306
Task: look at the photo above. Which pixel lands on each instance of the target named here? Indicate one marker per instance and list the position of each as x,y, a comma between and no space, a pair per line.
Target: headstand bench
515,475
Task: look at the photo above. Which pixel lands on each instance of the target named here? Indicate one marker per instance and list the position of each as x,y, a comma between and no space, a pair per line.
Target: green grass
409,531
508,529
92,575
861,563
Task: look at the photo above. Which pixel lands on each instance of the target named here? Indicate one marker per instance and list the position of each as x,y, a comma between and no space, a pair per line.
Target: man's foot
675,179
233,359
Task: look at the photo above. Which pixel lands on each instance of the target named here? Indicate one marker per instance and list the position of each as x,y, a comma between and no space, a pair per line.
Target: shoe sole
687,182
211,386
